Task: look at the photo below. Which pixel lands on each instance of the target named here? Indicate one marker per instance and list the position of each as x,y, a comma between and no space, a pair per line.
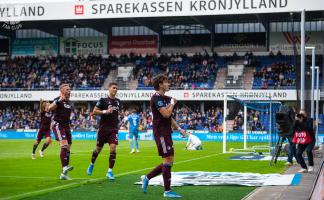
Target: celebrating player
108,108
162,107
44,130
61,127
133,123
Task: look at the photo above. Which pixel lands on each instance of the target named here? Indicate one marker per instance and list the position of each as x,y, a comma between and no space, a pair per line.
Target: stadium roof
55,27
101,15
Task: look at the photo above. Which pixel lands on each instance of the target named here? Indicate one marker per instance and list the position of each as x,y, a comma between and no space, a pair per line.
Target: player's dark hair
112,83
157,80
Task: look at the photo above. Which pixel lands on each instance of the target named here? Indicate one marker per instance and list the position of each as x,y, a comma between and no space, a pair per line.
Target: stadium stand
211,119
199,71
48,72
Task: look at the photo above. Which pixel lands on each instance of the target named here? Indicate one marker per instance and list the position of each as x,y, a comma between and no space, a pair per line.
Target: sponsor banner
254,157
34,47
230,137
25,10
186,39
31,134
190,50
148,135
240,42
145,95
226,178
83,45
147,44
4,47
235,70
283,42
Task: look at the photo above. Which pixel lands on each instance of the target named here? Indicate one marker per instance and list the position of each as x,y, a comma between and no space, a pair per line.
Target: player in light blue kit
133,123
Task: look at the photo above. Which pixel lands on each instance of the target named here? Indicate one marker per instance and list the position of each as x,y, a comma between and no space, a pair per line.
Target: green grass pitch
22,177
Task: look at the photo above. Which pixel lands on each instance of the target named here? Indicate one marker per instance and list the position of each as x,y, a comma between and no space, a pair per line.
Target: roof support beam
198,21
263,21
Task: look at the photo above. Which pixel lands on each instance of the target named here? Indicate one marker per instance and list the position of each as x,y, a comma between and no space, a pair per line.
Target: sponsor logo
8,24
291,39
160,103
75,46
116,108
11,25
67,106
79,9
8,12
48,114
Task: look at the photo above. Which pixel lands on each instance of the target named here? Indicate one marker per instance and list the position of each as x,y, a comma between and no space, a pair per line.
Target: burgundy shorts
43,134
109,136
164,144
62,133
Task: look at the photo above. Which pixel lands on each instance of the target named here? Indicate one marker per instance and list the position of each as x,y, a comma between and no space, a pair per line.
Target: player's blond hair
64,85
42,105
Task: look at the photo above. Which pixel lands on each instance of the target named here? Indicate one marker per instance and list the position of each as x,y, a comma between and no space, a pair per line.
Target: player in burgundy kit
44,130
61,127
108,108
162,107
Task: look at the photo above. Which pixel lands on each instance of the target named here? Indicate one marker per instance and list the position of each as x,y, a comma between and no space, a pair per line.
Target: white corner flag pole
224,124
245,126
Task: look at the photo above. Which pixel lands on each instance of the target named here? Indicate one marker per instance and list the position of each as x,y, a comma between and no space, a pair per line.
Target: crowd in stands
198,71
27,117
256,121
193,119
275,76
17,117
50,72
185,72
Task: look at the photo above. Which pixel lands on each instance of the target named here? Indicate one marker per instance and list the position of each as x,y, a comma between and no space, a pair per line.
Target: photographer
292,146
304,137
285,120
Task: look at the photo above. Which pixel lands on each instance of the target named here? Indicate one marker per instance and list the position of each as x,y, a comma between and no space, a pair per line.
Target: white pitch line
36,177
99,179
73,152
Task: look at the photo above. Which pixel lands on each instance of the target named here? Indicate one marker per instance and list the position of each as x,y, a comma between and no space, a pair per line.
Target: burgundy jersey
46,119
161,125
63,112
109,121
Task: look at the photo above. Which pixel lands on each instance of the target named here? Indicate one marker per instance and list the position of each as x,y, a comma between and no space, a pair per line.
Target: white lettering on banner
135,44
145,95
132,42
25,10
